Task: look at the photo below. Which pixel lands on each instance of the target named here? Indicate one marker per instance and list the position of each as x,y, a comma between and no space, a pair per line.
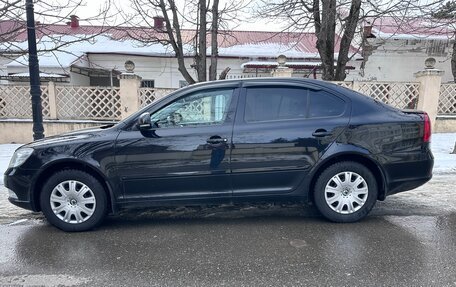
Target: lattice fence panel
197,110
94,103
397,94
447,99
16,102
148,95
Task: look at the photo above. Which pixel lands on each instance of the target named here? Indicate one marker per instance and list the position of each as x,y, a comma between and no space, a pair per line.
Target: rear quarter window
324,104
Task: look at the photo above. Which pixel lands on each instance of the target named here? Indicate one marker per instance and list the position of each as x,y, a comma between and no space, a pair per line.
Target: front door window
198,109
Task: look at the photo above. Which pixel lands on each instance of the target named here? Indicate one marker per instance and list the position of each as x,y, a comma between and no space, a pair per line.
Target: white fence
104,103
71,102
148,95
447,99
15,101
403,95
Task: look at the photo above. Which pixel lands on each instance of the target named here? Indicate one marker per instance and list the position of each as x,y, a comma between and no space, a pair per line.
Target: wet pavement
259,251
408,240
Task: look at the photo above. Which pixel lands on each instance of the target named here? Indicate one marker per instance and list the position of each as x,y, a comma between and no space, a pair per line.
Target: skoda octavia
248,140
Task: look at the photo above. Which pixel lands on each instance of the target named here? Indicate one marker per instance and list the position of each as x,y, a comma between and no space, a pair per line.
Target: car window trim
130,121
281,84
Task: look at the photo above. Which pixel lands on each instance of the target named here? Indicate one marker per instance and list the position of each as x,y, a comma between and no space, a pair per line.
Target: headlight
20,156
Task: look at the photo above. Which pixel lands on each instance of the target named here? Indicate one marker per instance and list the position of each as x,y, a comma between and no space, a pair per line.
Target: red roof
303,42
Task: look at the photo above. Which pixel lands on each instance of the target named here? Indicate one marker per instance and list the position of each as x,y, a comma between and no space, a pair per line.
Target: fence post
282,70
52,100
429,91
129,89
355,86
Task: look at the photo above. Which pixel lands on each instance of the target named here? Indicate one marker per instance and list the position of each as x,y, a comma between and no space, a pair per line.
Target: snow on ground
6,151
442,145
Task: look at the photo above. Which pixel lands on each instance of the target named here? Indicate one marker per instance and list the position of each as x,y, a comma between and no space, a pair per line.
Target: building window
182,83
437,47
147,84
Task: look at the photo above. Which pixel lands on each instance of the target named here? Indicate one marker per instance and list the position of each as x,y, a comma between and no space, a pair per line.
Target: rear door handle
216,140
321,133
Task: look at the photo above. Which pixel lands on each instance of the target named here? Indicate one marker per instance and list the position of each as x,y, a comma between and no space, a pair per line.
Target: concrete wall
20,131
445,124
79,80
398,59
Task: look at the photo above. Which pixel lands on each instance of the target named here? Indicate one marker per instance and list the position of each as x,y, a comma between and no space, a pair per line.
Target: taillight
427,128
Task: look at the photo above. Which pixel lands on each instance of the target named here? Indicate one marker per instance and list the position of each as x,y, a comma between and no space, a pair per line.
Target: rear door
279,134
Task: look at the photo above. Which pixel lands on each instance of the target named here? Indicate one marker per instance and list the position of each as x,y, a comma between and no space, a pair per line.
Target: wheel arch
70,164
368,162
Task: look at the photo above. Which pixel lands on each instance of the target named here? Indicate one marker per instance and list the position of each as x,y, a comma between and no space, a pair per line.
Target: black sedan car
264,139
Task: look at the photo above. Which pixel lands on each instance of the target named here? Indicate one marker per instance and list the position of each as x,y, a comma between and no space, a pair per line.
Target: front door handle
321,133
216,140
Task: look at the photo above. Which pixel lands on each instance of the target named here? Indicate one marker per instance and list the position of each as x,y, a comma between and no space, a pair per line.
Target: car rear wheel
345,192
73,200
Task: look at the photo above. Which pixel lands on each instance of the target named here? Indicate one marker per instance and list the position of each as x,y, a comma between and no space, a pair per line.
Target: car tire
73,200
345,192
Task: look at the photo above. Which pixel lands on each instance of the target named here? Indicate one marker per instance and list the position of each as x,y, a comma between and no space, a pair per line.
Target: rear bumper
408,175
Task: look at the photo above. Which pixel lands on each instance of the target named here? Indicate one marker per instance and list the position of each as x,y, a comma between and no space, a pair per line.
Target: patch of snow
446,116
412,36
270,63
442,145
73,47
6,152
271,50
47,75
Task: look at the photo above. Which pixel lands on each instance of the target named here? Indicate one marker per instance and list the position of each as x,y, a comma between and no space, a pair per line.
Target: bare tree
339,20
188,29
447,13
47,13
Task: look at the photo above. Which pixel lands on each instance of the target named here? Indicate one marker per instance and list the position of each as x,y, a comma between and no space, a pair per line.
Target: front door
187,154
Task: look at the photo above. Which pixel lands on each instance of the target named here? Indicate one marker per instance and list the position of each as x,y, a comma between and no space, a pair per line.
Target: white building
98,60
394,49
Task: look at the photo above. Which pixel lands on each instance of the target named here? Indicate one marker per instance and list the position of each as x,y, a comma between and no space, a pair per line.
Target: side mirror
144,122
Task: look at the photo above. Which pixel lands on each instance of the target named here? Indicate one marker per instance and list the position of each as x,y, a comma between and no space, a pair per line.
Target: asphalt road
409,240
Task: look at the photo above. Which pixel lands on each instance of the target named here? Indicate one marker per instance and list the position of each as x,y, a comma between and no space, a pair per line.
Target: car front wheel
73,200
345,192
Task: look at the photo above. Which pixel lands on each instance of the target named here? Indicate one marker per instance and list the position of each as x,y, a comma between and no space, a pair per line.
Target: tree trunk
201,51
224,73
347,38
214,42
453,61
176,41
325,30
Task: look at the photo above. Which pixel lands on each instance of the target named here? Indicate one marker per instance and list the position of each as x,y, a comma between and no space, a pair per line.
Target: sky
245,21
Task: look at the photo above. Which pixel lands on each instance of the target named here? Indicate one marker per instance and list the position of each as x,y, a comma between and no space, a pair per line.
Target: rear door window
275,103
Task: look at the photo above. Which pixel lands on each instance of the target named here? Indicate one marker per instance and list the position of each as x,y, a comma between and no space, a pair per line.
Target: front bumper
20,183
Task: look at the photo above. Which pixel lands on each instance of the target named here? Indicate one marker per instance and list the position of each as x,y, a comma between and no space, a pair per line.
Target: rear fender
346,152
